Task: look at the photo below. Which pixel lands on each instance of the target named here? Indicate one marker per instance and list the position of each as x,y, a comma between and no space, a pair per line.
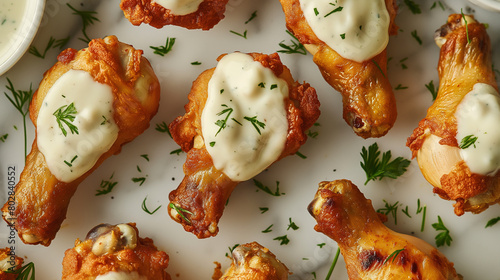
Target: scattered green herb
66,115
222,123
402,62
379,68
432,89
212,143
163,50
266,189
466,25
139,180
244,35
301,155
268,229
180,211
400,87
406,211
338,9
263,209
393,256
273,86
20,99
423,210
163,127
145,156
106,186
256,123
294,47
26,272
195,63
334,263
321,245
391,209
434,5
176,152
378,169
342,36
467,141
231,249
53,43
492,222
283,239
88,18
444,236
145,208
415,35
3,138
414,7
254,15
70,163
291,225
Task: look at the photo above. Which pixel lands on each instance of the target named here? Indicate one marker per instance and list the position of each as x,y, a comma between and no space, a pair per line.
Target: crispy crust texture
345,215
367,96
204,189
42,200
461,65
209,13
80,263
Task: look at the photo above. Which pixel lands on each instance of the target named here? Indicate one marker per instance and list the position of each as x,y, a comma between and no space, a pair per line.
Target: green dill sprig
53,43
393,256
432,89
20,99
106,186
26,272
223,123
254,15
256,123
263,209
294,47
378,169
163,50
414,34
66,115
243,35
88,18
163,128
414,7
144,207
292,225
283,239
467,141
444,236
268,229
391,209
181,212
266,189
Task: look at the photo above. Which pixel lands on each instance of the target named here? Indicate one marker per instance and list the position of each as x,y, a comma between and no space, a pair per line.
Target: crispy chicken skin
434,144
252,261
345,215
9,262
369,105
115,248
205,190
41,199
209,13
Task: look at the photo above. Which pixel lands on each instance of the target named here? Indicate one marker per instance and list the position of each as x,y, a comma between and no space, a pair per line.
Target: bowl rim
32,18
492,5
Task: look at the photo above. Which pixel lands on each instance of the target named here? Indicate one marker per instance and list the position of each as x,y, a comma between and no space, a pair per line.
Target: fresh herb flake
432,89
145,207
283,240
254,15
163,50
467,141
139,180
106,186
88,18
291,225
268,229
266,189
66,115
492,222
444,236
294,47
414,7
416,37
393,256
256,123
378,169
244,35
181,212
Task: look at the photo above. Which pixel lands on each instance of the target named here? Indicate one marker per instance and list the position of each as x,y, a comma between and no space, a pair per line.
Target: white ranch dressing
180,7
11,16
478,114
250,90
121,275
68,157
356,29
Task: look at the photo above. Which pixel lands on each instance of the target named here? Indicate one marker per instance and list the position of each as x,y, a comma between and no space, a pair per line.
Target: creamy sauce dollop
121,275
75,95
244,121
11,15
356,29
478,115
180,7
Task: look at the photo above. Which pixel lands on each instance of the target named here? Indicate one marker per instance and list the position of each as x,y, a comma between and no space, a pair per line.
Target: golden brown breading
368,246
204,190
41,199
367,96
434,144
114,248
252,261
209,13
9,262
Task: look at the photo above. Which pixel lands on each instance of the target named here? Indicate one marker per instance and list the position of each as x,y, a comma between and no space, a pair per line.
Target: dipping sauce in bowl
19,21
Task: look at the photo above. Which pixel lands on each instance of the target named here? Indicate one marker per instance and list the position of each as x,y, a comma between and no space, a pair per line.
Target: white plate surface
333,154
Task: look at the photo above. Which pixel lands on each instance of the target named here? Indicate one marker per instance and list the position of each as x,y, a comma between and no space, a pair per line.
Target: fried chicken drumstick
368,246
193,14
88,105
369,105
252,261
466,110
245,132
115,252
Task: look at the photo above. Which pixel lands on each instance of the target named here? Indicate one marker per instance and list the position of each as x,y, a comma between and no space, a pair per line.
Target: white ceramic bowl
22,38
493,5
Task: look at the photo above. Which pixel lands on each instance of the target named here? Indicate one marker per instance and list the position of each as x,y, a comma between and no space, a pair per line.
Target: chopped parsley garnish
415,35
266,189
3,138
106,186
145,207
181,212
467,141
273,86
163,50
432,89
244,35
378,169
263,209
393,256
294,47
212,143
88,18
316,11
268,229
444,236
262,85
492,222
414,7
406,211
342,36
292,225
256,123
66,115
283,240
